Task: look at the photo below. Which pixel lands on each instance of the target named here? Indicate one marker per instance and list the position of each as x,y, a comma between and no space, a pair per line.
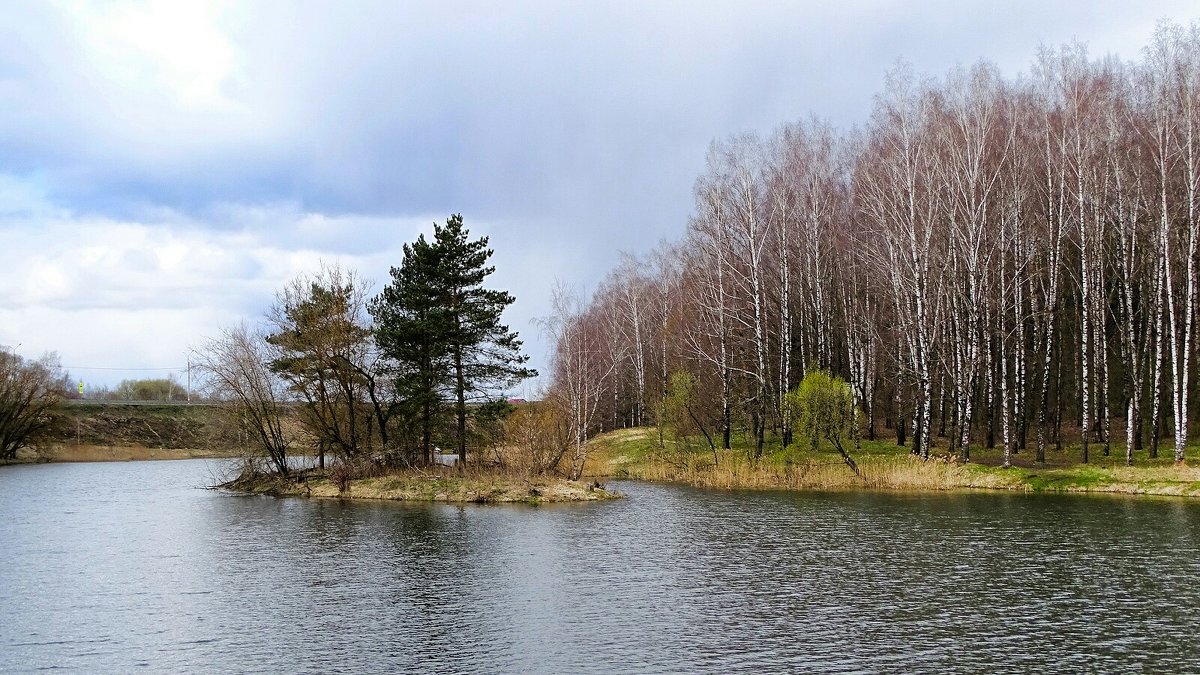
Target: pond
116,567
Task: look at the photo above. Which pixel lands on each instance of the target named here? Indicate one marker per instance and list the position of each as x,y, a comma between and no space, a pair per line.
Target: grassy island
637,454
436,484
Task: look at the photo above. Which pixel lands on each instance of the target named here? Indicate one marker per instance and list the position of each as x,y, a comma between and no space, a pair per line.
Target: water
128,566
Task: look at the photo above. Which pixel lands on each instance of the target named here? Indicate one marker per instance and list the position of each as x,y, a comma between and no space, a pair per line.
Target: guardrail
108,402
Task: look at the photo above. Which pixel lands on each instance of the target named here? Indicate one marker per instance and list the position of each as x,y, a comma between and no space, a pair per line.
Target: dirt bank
97,432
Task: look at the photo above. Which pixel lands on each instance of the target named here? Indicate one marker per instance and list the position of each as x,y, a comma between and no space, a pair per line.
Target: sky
166,167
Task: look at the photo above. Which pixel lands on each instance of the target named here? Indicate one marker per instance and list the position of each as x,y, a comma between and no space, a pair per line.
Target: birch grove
985,257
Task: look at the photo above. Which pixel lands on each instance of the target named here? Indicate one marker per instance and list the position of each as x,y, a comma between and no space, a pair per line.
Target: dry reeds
897,472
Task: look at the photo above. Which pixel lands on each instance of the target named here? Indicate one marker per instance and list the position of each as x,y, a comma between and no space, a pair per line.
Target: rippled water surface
128,566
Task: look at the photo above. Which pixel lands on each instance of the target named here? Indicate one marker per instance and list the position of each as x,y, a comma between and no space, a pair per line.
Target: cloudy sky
166,166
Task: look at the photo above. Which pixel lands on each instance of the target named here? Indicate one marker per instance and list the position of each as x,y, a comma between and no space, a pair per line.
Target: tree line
384,379
140,389
989,260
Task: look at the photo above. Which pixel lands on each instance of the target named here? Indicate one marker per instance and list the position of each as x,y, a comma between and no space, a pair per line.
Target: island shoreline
474,486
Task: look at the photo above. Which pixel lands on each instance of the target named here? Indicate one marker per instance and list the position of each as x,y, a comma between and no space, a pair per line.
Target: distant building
516,401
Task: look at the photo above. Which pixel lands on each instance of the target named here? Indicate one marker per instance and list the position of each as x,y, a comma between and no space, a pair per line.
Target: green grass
1077,478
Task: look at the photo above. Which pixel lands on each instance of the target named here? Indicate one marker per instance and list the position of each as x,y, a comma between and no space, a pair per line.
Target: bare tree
28,391
975,135
1053,197
235,367
1020,252
583,359
750,231
631,289
540,434
1174,75
711,336
894,190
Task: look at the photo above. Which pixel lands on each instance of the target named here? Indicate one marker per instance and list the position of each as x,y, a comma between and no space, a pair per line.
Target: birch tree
894,190
583,359
991,254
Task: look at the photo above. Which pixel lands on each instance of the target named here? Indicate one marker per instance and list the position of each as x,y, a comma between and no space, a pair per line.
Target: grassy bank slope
635,453
82,432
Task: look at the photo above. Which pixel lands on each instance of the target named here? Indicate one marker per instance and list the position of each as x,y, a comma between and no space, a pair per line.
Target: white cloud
161,48
118,295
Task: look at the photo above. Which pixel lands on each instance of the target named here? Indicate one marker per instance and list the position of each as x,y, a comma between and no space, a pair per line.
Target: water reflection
112,567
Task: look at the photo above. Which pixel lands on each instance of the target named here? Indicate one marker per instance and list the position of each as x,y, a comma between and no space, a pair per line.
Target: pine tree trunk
460,391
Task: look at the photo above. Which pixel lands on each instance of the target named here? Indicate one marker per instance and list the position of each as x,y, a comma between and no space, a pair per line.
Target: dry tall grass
903,472
116,453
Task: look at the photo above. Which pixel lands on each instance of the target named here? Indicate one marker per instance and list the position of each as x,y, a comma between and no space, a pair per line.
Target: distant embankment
79,402
109,430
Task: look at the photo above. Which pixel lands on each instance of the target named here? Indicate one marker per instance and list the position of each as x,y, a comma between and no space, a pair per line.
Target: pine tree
412,332
441,329
485,355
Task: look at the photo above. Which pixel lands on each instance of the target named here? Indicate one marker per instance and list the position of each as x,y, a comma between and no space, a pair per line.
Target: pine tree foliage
412,328
486,355
442,330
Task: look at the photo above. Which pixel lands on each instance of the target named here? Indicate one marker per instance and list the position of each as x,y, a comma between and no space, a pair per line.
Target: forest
988,261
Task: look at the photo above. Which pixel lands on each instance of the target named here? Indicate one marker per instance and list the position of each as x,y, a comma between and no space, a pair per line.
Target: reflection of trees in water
387,574
429,551
477,586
